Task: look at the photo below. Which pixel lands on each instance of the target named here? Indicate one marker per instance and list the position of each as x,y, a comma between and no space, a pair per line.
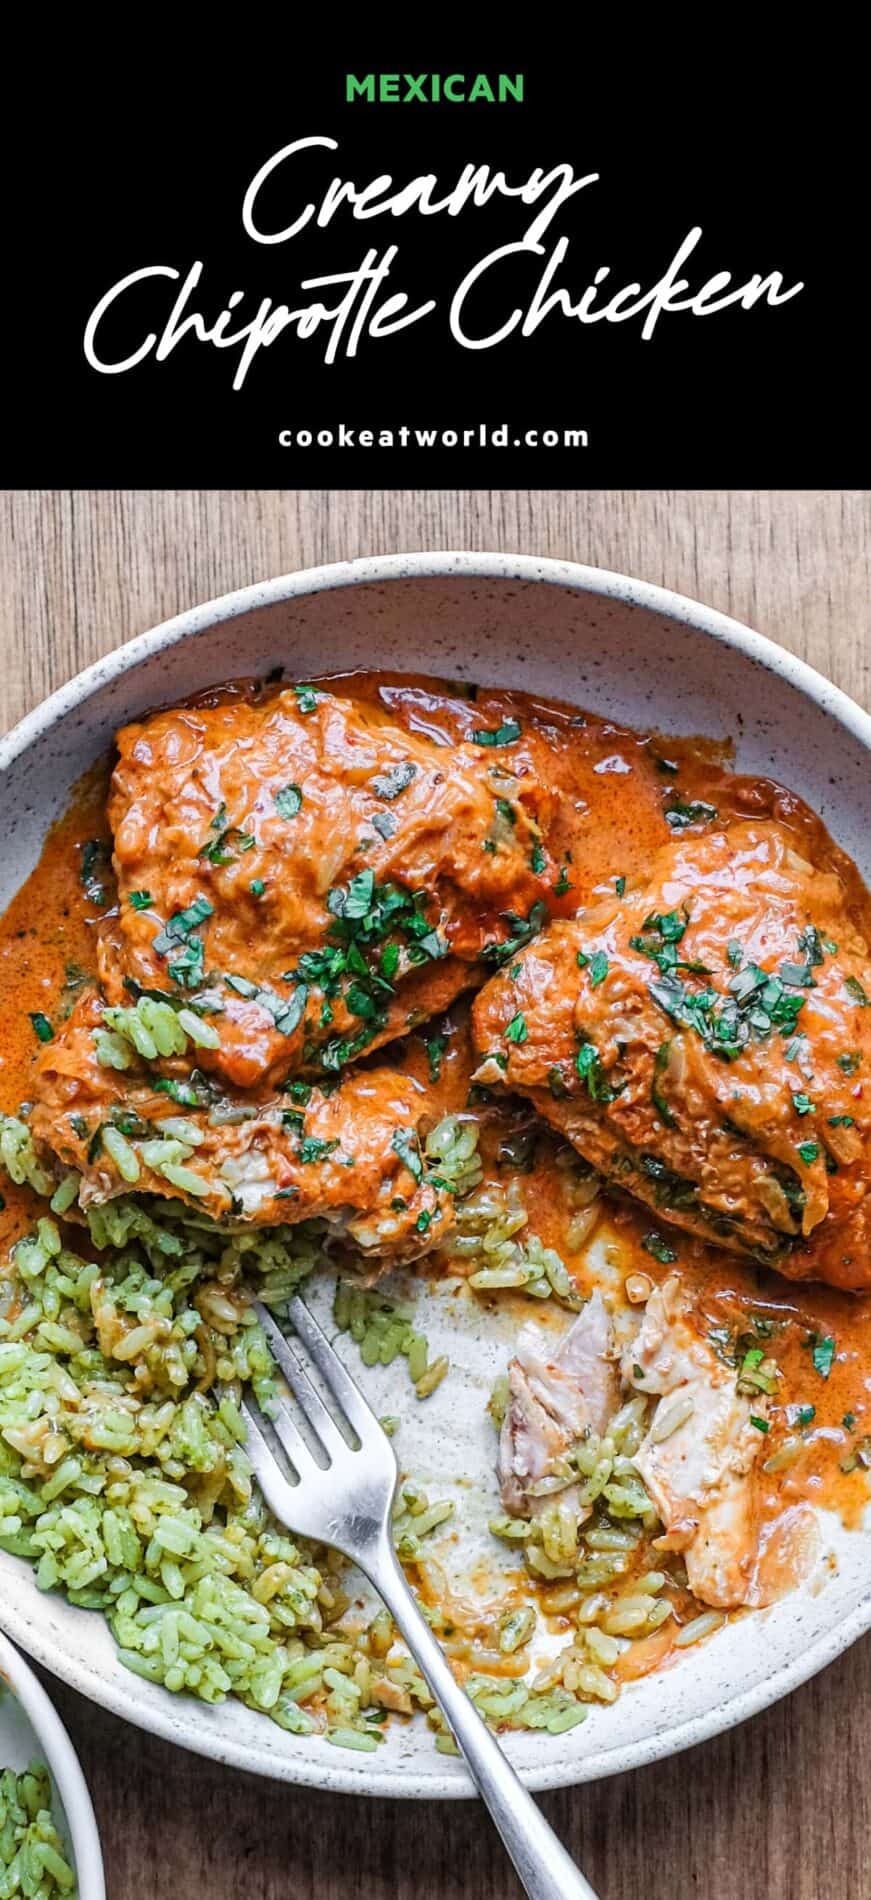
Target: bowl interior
31,1731
649,660
20,1745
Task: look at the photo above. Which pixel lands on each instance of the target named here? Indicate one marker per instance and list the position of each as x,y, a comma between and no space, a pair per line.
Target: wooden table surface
780,1808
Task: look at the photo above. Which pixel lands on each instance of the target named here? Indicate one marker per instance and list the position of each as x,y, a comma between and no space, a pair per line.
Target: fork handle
544,1868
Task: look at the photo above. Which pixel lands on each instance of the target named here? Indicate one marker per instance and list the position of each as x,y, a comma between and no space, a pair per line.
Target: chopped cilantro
761,1424
855,989
175,941
311,1149
598,965
523,929
423,1221
802,1104
435,1049
681,812
405,1144
517,1030
620,885
183,1093
670,924
506,810
757,1004
589,1069
341,1050
359,1002
811,943
662,932
288,801
257,887
181,924
357,900
218,848
562,884
654,1244
390,784
306,698
95,855
659,1067
841,1121
850,1063
41,1025
431,945
294,1119
848,1421
286,1011
289,1012
506,734
809,1151
140,900
798,974
214,848
822,1352
538,859
188,965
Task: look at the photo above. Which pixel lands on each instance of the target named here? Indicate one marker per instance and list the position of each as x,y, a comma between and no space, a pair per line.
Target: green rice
123,1474
125,1482
490,1237
33,1857
384,1330
585,1537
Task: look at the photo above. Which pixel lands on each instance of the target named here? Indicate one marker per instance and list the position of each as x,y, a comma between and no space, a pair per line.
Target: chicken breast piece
553,1403
324,876
705,1042
697,1459
352,1156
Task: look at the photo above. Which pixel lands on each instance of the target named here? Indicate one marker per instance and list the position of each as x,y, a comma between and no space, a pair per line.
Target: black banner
518,271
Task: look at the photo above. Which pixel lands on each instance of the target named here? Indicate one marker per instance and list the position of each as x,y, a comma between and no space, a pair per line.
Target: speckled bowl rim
63,1765
449,564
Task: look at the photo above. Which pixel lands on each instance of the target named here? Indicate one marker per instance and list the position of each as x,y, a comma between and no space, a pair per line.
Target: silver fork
347,1501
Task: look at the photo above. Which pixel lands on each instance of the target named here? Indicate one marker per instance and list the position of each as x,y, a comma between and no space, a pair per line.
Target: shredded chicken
553,1403
698,1456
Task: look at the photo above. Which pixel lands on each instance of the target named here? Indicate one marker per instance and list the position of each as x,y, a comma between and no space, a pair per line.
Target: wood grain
777,1810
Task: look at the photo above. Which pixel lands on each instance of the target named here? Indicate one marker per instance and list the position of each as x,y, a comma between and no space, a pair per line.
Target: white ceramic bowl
649,658
30,1729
